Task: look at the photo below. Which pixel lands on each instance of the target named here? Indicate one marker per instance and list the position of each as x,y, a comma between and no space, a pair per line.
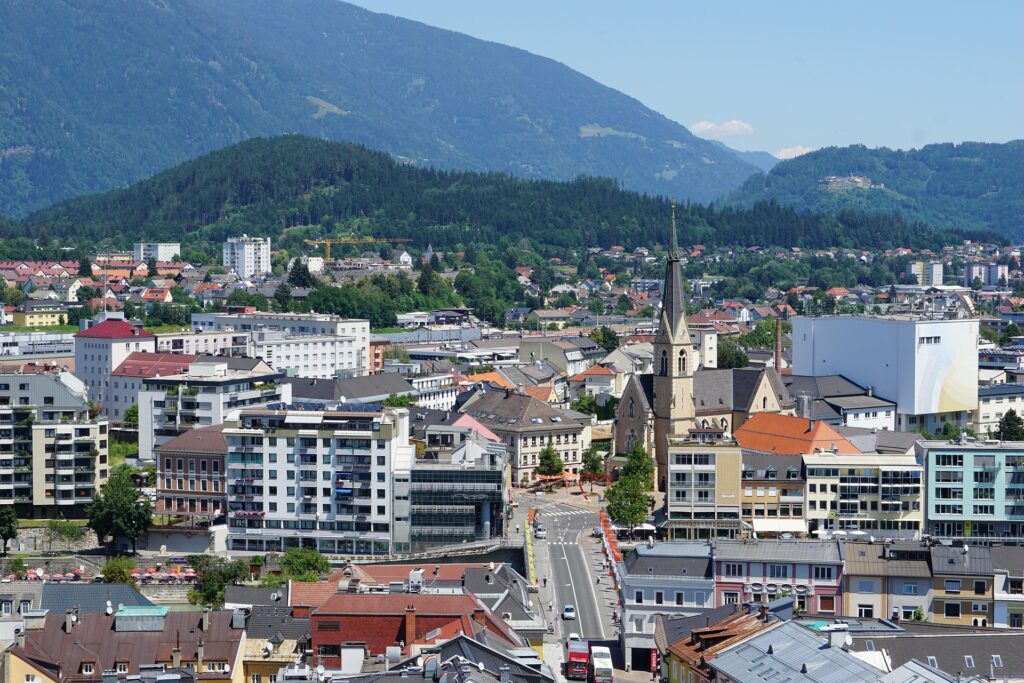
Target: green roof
142,611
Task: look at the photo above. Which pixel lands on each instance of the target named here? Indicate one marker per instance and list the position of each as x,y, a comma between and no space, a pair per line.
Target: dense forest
970,185
97,95
295,187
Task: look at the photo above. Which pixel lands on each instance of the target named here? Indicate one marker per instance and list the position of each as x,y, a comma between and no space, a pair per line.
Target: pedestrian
545,582
598,581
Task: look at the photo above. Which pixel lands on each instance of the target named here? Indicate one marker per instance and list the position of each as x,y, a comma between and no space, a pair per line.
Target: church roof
672,326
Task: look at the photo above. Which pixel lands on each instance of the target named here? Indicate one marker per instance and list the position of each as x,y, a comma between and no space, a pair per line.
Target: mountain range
96,95
969,185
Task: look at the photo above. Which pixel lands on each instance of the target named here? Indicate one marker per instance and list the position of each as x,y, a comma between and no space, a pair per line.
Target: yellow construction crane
328,241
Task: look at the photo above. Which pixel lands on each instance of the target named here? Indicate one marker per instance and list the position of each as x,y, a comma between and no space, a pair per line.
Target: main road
575,566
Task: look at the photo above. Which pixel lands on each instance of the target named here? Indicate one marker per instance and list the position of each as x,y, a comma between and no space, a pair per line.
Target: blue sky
779,75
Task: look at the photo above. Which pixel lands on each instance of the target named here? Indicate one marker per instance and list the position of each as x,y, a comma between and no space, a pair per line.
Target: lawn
390,330
160,329
49,328
41,523
117,451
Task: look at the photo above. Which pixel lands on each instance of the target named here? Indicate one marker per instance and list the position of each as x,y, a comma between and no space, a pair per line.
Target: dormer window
121,667
88,668
770,473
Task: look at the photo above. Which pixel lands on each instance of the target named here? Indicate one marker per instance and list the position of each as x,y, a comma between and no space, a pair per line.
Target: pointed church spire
673,309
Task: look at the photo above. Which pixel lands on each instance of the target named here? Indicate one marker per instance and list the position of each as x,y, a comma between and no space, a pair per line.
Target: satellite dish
320,670
39,572
480,665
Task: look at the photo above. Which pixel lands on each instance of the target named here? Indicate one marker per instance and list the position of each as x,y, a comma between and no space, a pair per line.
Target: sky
782,77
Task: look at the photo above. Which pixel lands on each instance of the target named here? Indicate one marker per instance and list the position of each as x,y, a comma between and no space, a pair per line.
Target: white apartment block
211,392
158,251
320,479
247,256
437,392
204,343
323,356
101,348
296,324
928,367
989,273
37,344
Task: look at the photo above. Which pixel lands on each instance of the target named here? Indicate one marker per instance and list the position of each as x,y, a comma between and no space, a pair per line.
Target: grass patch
118,451
390,330
48,328
160,329
41,523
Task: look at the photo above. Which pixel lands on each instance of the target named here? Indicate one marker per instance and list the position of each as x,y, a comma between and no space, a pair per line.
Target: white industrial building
928,367
157,251
247,256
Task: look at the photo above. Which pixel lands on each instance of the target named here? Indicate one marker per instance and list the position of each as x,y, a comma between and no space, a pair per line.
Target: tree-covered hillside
300,187
96,95
970,185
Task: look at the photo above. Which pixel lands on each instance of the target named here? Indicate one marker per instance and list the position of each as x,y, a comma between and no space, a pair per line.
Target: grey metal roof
791,653
482,649
880,440
247,595
948,647
996,390
780,550
676,559
826,386
859,403
972,561
90,598
1008,558
760,462
269,622
865,559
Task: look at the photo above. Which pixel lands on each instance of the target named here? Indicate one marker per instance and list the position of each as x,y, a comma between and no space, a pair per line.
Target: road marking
576,600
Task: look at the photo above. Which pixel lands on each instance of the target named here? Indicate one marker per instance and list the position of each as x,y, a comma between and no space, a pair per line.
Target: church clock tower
675,362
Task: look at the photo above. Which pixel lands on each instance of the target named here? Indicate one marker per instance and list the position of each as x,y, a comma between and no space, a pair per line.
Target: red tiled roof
113,329
789,435
312,593
146,364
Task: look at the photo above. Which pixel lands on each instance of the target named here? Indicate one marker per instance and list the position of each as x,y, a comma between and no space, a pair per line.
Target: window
866,586
997,661
6,607
778,571
979,587
679,598
255,678
933,662
952,610
979,607
730,598
638,597
952,585
865,611
827,604
969,661
909,588
733,569
659,598
122,667
823,573
87,668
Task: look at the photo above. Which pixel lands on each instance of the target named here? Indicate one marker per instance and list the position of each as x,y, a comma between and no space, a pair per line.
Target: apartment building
975,488
296,324
877,494
309,355
37,344
761,571
772,501
887,579
702,498
661,579
191,474
208,393
53,456
962,585
319,479
212,343
994,401
1008,591
157,251
128,378
101,348
990,274
247,256
527,426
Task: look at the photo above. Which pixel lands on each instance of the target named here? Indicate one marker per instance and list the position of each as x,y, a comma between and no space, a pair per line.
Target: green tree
606,337
299,275
304,564
8,525
1009,333
119,510
131,416
1011,427
627,501
977,284
63,532
548,462
214,574
119,570
730,355
396,401
151,268
593,464
585,404
639,465
990,334
283,296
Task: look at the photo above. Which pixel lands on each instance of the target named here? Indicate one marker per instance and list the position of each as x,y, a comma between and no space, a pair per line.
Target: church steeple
672,327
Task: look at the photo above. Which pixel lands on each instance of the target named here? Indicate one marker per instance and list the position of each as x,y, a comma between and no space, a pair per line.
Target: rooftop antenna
674,242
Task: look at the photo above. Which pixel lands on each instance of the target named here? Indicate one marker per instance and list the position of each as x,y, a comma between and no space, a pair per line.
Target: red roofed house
126,382
790,435
101,348
594,380
380,620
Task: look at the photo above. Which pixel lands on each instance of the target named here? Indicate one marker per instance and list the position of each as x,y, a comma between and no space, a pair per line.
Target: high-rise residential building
53,455
101,348
157,251
296,325
702,499
247,256
990,274
321,479
210,392
928,273
928,367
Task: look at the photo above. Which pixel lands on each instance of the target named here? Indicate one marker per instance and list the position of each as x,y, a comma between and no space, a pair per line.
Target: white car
541,532
575,636
569,612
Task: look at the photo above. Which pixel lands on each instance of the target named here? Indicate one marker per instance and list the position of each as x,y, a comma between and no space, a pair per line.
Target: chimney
19,637
200,651
838,636
69,620
504,674
870,390
778,345
410,625
803,404
895,617
176,658
206,619
764,612
478,616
